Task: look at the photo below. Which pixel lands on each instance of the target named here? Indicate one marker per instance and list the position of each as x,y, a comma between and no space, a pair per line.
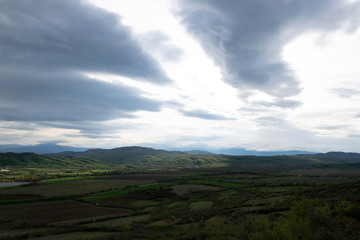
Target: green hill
35,160
148,158
141,157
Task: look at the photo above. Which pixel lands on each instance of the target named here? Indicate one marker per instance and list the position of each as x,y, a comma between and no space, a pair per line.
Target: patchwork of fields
174,205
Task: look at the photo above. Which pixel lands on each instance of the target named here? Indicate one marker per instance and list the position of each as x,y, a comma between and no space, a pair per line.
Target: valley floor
202,204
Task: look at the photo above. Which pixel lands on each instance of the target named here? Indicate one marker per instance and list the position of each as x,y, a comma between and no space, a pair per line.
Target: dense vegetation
141,157
35,160
174,195
185,205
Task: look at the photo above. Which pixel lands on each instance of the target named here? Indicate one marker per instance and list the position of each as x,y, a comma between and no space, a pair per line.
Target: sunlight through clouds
181,73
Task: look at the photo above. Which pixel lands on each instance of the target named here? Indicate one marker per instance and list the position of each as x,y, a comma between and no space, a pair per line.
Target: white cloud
319,112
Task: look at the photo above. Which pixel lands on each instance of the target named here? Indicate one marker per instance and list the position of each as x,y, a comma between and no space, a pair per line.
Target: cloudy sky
261,75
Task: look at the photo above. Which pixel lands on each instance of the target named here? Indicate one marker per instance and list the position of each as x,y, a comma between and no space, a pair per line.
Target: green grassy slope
140,157
35,160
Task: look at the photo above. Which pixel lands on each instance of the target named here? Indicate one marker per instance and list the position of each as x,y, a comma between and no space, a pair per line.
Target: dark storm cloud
245,38
92,127
50,96
204,115
45,45
71,35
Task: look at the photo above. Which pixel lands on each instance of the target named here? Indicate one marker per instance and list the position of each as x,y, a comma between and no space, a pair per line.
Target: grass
119,221
185,189
201,204
286,188
53,211
65,179
75,235
205,181
23,232
74,188
121,192
215,205
144,203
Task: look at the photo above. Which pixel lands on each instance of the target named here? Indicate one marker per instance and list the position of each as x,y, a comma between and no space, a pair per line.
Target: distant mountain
338,157
245,152
149,158
39,149
239,151
54,148
198,152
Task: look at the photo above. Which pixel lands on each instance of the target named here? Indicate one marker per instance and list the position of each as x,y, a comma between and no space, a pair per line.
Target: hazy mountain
238,151
245,152
148,158
199,152
54,148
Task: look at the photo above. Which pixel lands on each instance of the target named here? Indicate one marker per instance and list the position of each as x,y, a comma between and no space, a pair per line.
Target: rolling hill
41,161
148,158
141,157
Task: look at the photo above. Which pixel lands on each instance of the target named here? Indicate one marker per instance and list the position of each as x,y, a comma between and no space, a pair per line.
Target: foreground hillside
143,194
184,205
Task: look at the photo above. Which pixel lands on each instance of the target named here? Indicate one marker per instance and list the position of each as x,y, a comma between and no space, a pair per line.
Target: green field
190,204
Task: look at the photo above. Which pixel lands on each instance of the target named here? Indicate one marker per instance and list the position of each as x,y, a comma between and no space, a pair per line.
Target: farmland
184,204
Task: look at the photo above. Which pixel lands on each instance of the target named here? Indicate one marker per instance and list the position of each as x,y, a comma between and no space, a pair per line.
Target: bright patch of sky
326,65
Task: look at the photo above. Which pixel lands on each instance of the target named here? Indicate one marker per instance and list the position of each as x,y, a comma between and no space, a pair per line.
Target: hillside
140,157
35,160
148,158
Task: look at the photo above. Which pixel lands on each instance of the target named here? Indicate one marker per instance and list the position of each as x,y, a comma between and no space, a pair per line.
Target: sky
200,74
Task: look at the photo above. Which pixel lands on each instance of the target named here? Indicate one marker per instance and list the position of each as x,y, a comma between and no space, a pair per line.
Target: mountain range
149,158
55,148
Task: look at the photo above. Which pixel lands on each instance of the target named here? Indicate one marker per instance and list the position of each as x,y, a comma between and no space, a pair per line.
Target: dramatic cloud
158,44
245,38
45,47
71,35
255,74
64,97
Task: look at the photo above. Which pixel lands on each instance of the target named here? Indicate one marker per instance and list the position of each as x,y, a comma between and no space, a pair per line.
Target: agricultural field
184,205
